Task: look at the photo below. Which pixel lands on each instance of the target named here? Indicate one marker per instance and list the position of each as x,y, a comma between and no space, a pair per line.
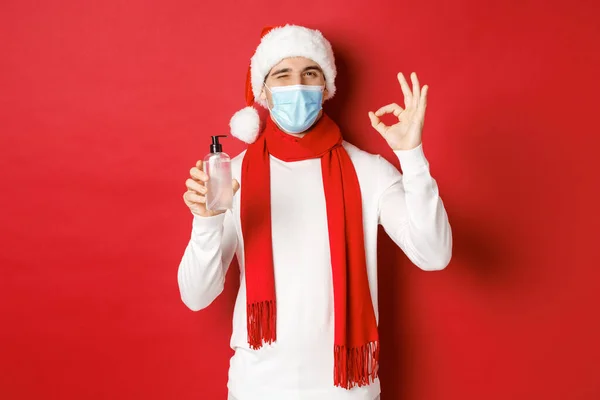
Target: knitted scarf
356,342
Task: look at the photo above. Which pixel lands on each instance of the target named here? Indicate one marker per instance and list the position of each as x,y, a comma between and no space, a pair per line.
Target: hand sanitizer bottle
217,165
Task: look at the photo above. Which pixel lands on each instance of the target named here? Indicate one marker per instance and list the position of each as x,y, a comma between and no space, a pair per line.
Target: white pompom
245,124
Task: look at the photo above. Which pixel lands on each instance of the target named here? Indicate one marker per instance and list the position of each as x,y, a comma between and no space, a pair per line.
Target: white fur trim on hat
245,124
291,41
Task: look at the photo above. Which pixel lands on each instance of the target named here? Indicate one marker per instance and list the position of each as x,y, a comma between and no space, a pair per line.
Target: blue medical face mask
296,107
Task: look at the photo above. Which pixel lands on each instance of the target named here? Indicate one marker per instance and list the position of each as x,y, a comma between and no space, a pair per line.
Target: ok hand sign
407,133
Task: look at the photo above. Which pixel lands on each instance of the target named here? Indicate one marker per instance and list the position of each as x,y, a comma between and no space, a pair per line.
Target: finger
423,102
194,197
416,89
405,90
198,174
195,186
390,108
236,185
377,124
199,165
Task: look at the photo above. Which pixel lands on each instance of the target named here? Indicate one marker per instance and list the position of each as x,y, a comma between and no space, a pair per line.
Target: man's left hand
407,133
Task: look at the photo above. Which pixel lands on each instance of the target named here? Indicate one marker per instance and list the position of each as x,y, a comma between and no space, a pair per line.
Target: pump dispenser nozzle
216,147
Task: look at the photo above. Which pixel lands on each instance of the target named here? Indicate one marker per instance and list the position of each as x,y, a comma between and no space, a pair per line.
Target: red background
106,105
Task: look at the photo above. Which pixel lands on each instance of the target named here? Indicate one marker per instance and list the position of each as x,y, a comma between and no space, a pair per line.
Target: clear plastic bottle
217,165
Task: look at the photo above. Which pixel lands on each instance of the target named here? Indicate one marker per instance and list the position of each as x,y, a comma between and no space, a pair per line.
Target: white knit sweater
299,365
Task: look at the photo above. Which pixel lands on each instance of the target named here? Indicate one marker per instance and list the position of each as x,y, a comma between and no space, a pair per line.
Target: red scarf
356,344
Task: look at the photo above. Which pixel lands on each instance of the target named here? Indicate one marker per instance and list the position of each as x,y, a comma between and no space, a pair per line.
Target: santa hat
276,44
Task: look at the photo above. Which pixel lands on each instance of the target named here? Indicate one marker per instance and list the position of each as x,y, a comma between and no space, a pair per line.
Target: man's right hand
195,197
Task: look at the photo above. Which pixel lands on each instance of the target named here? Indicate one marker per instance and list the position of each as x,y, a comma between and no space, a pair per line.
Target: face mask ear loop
265,85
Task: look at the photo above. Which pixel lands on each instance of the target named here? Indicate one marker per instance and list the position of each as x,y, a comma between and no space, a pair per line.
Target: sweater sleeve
201,273
411,210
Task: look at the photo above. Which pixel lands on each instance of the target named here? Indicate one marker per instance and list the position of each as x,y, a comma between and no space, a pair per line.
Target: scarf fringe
261,323
356,366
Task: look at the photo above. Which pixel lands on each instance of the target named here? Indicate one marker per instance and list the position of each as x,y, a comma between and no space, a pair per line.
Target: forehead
295,63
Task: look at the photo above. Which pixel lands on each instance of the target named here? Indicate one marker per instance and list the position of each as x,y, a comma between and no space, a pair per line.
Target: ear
263,95
325,93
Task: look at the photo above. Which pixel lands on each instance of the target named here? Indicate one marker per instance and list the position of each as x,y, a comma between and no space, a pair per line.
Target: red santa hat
276,44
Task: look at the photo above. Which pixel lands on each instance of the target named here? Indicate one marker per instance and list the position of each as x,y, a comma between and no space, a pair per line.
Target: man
305,229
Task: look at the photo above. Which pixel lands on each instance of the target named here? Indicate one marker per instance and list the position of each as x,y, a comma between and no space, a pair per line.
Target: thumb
376,123
373,118
236,185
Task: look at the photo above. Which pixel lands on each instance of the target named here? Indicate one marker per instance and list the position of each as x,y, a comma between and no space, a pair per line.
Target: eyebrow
286,70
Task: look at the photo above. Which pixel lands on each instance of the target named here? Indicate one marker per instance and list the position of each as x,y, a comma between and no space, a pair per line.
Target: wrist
405,147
